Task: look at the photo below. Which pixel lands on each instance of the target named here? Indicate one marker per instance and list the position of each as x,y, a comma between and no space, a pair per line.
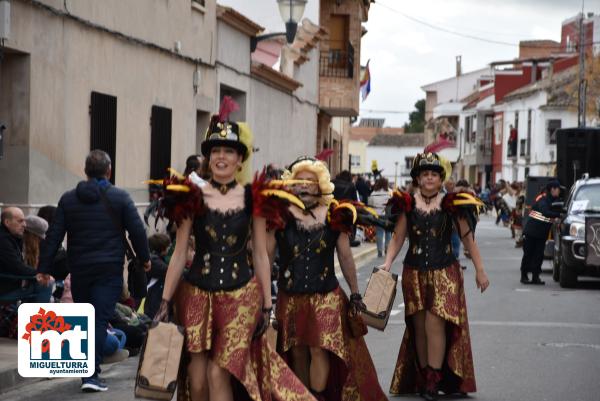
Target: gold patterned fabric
222,323
440,292
321,320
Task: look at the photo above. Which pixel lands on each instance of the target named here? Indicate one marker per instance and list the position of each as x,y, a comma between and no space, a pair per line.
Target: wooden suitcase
159,362
379,298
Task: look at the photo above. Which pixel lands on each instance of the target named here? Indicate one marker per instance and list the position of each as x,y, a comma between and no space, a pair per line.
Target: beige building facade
123,75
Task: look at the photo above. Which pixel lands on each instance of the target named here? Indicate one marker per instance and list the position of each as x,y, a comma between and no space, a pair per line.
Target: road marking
575,345
394,312
522,290
565,325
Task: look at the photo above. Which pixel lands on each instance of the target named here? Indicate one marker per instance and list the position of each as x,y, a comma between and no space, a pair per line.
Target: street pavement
530,343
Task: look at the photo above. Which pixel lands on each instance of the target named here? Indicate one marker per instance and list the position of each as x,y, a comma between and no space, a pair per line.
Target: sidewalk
10,378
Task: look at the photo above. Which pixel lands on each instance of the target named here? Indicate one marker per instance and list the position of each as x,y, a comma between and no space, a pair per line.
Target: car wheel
568,278
556,266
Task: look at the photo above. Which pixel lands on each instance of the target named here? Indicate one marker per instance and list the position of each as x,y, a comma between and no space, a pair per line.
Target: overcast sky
406,54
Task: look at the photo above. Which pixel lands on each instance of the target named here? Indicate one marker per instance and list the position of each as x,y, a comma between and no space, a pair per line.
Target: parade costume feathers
272,201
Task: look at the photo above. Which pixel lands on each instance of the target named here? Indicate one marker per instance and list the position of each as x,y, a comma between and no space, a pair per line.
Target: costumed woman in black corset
224,299
436,349
320,334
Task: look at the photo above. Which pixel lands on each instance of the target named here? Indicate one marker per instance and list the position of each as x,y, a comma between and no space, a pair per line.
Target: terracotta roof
405,140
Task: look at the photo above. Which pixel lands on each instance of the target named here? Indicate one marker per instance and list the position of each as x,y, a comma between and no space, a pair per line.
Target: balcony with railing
338,81
337,63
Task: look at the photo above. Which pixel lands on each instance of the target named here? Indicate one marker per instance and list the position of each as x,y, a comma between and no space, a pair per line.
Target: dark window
524,148
408,162
160,146
103,126
200,2
552,126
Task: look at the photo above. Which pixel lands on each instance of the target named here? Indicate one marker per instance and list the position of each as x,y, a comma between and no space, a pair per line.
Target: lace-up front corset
222,260
429,237
306,259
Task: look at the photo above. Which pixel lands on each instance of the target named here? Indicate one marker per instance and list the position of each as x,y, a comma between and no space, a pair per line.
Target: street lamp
291,12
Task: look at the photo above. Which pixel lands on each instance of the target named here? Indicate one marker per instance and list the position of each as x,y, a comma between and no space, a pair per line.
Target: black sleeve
545,207
11,262
137,234
158,269
54,238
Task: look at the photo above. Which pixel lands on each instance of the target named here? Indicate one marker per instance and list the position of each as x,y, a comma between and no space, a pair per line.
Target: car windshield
586,199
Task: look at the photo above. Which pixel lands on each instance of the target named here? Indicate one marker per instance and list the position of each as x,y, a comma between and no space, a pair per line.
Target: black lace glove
162,315
263,324
356,304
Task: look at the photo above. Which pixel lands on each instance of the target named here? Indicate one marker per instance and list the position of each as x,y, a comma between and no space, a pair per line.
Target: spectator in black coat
344,187
95,246
26,288
363,188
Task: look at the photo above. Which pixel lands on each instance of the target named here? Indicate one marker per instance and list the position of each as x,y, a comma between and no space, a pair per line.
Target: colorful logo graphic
56,340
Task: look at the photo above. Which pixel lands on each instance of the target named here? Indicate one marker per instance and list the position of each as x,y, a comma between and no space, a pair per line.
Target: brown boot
432,381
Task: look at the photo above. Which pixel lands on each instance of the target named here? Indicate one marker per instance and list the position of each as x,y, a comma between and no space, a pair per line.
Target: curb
10,379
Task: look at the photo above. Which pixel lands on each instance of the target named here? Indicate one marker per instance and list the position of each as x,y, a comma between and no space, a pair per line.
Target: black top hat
427,161
223,134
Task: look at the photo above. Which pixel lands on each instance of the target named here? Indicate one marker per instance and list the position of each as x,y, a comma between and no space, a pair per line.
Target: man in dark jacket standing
535,233
95,248
12,227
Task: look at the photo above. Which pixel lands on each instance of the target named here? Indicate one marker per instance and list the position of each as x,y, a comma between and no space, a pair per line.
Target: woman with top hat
319,329
224,299
435,353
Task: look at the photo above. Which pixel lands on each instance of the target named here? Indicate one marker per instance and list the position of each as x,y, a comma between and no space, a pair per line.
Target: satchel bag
137,282
379,298
159,363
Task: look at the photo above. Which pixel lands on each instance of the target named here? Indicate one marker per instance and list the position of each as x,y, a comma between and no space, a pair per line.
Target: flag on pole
365,82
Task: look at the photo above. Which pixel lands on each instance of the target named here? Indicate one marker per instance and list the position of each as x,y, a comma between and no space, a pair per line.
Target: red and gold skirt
442,293
222,323
321,320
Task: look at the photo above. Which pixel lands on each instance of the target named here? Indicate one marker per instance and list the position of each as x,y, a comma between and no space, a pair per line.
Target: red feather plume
340,219
324,154
228,106
401,202
274,209
177,205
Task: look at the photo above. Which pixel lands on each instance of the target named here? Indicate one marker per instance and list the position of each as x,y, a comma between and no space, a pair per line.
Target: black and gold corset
222,260
306,258
429,235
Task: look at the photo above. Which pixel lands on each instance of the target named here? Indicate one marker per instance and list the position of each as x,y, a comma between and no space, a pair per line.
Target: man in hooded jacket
95,247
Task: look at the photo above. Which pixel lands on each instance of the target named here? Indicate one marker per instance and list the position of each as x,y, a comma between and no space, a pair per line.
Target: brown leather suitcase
159,362
379,298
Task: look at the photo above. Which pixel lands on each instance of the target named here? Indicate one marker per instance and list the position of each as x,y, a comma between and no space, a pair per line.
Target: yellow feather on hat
246,137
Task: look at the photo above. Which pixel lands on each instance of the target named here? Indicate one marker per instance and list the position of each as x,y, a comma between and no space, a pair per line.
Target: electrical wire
467,35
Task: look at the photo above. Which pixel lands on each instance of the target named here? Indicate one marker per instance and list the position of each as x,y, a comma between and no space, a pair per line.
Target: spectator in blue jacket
95,247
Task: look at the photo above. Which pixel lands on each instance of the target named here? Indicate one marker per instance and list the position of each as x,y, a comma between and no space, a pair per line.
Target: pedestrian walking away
535,233
224,307
95,247
316,321
435,353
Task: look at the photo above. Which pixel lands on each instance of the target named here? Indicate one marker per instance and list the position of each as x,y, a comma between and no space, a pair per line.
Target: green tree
416,118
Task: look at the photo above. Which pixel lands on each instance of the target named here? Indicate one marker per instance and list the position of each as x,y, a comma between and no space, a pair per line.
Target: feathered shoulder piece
400,202
342,216
271,200
180,198
463,205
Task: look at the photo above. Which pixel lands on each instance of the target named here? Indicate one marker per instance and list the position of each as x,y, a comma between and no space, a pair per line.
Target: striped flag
365,82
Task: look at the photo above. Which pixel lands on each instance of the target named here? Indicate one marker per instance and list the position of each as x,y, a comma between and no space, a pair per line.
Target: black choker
428,199
223,188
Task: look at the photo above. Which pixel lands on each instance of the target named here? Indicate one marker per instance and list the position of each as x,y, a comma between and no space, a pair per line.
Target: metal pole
396,175
582,86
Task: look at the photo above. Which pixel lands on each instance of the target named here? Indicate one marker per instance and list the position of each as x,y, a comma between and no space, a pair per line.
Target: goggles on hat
224,132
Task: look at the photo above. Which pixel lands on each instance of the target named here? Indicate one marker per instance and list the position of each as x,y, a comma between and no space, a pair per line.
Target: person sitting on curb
19,282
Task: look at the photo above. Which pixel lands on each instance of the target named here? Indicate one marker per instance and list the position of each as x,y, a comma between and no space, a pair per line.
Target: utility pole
582,82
